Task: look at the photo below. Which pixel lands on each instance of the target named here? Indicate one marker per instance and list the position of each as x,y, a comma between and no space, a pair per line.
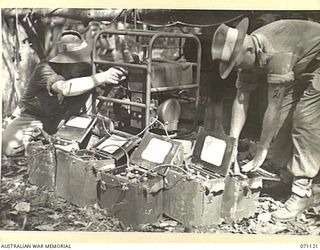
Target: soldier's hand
114,76
256,162
234,160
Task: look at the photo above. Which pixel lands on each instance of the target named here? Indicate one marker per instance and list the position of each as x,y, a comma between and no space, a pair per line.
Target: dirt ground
29,208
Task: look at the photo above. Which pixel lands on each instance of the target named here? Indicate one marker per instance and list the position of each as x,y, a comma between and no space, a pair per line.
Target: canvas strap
258,48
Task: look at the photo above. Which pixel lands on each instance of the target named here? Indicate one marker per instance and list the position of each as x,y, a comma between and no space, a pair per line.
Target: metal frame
154,36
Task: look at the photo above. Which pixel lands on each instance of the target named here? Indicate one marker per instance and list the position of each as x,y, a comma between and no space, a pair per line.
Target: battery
193,197
135,196
240,198
78,175
41,164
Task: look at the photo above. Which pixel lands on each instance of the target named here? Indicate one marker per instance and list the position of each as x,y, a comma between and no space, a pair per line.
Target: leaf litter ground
27,207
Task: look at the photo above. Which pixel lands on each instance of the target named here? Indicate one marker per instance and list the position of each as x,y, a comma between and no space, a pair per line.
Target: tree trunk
18,62
156,16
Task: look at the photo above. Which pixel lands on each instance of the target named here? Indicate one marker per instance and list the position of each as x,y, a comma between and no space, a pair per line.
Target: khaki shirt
285,49
38,98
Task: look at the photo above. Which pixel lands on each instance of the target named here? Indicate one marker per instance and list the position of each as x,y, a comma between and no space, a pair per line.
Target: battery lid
79,122
153,154
213,151
116,145
112,143
76,128
155,150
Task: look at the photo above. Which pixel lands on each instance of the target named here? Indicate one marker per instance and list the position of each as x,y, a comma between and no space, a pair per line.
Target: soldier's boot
300,200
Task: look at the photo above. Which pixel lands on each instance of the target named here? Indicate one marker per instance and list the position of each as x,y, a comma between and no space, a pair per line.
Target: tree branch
156,16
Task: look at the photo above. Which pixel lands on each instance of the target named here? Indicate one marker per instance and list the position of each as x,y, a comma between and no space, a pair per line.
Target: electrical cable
164,128
177,23
129,138
116,17
115,145
54,10
165,166
168,166
174,184
42,151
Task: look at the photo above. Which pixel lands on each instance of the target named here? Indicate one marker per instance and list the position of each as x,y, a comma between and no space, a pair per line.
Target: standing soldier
284,53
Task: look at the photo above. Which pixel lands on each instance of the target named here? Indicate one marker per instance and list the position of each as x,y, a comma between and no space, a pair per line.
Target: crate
193,194
77,176
41,164
193,199
240,198
135,197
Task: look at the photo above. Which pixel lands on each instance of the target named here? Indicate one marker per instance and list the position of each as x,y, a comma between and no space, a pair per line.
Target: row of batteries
188,181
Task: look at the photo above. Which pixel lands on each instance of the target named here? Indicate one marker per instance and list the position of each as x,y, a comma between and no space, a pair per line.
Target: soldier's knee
12,147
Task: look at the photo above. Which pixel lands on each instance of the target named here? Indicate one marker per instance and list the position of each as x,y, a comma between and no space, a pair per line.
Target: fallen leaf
89,213
168,224
14,212
265,205
89,225
48,210
56,224
314,230
144,227
302,217
170,229
45,228
265,217
9,223
70,216
23,207
315,210
32,188
55,216
99,216
22,169
39,200
80,223
96,206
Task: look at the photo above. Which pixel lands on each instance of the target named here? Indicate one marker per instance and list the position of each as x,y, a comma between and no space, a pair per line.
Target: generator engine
150,90
164,107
